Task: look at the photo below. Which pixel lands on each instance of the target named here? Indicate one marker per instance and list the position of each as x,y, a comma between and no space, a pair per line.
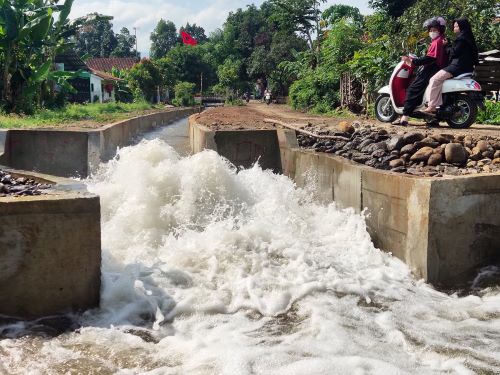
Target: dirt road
252,116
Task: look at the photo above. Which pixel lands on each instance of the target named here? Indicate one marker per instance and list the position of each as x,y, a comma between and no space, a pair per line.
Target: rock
360,158
412,137
482,146
375,146
395,143
496,161
496,146
443,138
476,154
378,154
468,142
427,142
396,163
496,155
399,169
382,132
422,155
365,143
3,189
471,164
409,149
406,157
435,159
344,126
490,154
455,153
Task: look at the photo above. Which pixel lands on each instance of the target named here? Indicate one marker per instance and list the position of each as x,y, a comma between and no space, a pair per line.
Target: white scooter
461,98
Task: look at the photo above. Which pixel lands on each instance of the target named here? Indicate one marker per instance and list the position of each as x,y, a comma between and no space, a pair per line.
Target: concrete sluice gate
207,269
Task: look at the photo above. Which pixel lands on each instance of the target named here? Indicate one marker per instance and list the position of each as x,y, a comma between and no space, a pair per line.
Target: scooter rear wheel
464,112
384,110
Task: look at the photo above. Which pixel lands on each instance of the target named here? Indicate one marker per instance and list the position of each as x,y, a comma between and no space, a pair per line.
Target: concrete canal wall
443,228
76,153
50,251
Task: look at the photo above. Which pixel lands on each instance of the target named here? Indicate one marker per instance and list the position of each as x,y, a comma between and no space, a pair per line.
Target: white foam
242,273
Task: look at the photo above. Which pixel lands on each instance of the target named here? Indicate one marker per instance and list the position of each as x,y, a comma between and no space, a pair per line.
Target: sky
145,14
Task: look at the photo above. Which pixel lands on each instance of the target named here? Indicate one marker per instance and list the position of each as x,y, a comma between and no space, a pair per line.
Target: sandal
399,122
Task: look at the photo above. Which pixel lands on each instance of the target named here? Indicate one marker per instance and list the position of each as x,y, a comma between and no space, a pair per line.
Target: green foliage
71,113
184,94
339,12
341,42
125,44
394,8
491,113
143,80
316,91
163,39
95,36
229,74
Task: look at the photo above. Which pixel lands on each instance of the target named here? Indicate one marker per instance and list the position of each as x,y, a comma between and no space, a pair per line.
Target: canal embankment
445,228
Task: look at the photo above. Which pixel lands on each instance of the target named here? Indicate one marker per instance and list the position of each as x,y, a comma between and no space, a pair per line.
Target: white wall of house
95,88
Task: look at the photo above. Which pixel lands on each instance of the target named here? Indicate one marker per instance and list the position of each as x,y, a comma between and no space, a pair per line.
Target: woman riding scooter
435,60
464,56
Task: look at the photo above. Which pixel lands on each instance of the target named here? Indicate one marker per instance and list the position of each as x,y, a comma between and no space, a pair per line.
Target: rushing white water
210,271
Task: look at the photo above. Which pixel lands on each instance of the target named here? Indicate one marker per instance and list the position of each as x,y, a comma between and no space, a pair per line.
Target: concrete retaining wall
242,148
50,252
443,228
76,153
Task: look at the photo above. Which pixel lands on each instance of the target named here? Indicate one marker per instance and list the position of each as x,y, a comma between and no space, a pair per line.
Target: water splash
211,271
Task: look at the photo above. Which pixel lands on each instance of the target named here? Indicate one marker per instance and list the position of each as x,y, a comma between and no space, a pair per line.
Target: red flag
188,39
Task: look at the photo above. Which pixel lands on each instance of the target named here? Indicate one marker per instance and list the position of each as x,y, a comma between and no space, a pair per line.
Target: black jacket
463,57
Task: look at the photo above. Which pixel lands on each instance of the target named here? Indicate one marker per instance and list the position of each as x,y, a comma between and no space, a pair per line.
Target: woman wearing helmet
435,59
464,56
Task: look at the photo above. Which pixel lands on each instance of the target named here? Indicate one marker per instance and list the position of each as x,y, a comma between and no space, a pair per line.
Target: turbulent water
207,270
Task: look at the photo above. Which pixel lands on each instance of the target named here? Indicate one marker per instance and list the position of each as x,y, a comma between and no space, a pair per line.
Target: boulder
412,137
455,153
482,146
496,161
426,142
396,163
395,143
422,155
435,159
344,126
408,149
496,155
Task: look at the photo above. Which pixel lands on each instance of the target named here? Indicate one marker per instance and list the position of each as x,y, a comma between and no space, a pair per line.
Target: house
95,82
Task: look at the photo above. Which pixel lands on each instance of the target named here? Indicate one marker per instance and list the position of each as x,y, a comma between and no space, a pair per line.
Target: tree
197,32
163,38
229,74
95,36
395,8
337,12
125,46
30,36
189,62
301,15
143,80
184,94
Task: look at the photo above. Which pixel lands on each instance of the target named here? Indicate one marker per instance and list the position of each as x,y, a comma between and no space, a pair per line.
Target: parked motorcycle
462,97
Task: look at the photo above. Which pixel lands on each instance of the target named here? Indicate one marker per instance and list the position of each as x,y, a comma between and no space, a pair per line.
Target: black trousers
416,91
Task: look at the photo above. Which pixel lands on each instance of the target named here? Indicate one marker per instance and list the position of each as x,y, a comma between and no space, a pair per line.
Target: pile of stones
21,186
416,153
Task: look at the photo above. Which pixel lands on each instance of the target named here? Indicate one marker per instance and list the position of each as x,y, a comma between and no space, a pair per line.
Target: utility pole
136,49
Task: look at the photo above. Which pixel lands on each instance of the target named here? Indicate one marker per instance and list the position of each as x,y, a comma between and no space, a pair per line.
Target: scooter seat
465,75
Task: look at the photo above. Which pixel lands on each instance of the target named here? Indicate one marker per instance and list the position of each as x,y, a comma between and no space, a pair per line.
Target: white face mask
433,34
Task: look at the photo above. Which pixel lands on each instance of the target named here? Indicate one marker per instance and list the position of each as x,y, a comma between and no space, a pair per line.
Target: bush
184,94
316,91
491,114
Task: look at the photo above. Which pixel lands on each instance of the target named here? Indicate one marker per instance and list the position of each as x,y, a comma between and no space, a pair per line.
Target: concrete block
50,254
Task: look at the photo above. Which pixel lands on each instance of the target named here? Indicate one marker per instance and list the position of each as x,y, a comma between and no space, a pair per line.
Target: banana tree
29,40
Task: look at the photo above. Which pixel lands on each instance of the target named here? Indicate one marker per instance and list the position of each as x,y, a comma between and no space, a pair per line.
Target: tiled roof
106,64
105,76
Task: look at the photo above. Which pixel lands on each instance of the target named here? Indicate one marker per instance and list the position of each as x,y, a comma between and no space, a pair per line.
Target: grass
100,113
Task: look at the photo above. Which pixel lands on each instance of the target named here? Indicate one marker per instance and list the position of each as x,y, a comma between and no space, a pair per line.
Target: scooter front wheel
464,112
384,110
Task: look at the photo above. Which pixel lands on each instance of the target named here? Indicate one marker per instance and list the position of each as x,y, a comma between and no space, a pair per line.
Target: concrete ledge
77,153
242,148
443,228
50,251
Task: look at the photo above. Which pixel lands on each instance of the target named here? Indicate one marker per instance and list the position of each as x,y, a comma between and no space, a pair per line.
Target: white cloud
145,14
